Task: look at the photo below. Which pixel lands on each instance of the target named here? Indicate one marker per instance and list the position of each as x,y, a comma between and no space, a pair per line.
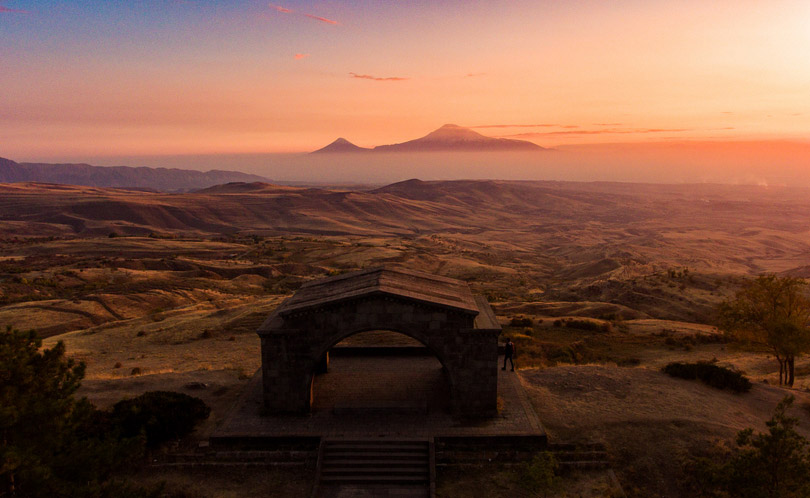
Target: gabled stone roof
422,287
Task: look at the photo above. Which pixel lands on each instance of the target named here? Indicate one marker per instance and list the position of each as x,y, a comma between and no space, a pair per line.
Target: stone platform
408,403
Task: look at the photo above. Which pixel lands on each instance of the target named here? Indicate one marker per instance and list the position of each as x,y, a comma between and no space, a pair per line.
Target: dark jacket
509,349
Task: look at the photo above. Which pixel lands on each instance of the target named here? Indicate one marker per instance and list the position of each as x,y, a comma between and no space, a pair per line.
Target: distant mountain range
448,138
162,179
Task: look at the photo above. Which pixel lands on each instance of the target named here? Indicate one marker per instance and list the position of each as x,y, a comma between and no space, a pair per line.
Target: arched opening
380,371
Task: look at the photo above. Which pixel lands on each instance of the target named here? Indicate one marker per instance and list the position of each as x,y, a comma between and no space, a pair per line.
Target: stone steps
582,456
394,466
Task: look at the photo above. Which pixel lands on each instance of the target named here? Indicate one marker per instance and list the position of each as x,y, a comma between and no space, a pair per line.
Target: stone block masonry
441,313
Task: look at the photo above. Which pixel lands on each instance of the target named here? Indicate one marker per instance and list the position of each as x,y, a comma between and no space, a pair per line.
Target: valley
165,291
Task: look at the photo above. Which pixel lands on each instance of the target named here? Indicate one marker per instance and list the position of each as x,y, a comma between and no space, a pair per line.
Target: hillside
622,244
162,179
162,291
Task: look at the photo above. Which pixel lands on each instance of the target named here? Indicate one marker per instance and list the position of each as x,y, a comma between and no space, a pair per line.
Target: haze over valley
448,153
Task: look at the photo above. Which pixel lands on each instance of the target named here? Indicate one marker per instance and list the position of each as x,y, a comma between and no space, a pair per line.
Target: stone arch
317,368
436,353
460,330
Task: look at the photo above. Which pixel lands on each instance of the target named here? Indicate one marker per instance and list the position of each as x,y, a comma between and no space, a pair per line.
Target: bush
629,362
713,375
521,321
540,475
560,354
588,325
774,463
160,415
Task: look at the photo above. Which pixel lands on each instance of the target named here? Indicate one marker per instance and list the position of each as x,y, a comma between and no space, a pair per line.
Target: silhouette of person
508,354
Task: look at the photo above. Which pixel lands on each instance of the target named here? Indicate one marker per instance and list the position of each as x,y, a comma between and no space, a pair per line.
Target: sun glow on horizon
101,79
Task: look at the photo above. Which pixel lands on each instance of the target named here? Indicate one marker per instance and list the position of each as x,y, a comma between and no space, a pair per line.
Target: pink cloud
376,78
600,132
7,10
285,10
322,19
281,9
298,57
544,125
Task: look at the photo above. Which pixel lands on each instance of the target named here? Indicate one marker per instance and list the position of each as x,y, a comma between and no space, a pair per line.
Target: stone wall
292,352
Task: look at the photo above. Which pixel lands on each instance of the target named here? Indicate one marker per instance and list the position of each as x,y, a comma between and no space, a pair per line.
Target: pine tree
51,443
37,408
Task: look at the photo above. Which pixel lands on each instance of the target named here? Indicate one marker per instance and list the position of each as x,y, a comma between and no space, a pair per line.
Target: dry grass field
159,291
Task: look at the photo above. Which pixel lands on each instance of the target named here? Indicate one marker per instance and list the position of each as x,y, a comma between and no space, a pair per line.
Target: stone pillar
323,364
476,374
286,373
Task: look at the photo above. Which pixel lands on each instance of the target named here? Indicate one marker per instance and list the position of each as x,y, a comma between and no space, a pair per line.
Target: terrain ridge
163,179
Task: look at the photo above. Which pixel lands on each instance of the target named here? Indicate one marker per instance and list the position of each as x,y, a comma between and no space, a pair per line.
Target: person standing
508,354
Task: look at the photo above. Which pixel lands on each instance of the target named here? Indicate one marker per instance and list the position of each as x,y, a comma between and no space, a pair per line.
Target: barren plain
157,290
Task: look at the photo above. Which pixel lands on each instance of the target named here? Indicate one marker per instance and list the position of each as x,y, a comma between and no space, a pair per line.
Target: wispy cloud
298,57
377,78
9,11
281,9
609,131
322,19
542,125
474,75
285,10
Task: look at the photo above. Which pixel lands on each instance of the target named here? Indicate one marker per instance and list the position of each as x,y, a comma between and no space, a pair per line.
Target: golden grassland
645,267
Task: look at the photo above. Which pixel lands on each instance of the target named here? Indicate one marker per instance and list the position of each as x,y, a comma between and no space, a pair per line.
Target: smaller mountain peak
340,145
450,126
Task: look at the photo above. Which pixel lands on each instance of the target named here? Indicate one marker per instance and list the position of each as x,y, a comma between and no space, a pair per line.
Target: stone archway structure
458,328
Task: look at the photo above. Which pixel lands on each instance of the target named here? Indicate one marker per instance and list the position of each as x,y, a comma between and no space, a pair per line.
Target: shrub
283,285
160,415
588,325
540,475
713,375
521,321
774,463
560,354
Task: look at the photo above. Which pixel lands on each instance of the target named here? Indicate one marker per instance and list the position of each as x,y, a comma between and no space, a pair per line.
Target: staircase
583,456
375,468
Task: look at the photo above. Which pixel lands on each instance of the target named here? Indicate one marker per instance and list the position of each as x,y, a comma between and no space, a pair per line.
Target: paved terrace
381,396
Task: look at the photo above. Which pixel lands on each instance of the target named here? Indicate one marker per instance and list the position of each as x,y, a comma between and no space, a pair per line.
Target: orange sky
97,79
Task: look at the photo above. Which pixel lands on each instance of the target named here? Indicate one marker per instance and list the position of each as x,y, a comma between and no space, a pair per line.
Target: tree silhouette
52,444
774,312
